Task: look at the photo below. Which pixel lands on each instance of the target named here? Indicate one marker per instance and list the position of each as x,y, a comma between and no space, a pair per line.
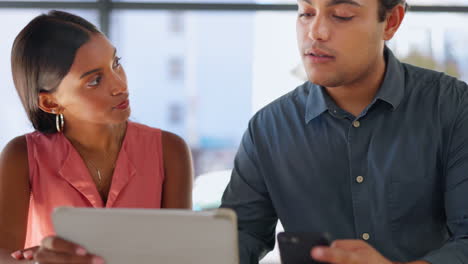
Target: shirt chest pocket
415,199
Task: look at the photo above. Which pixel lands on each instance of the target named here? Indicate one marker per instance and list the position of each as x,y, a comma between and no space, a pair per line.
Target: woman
84,152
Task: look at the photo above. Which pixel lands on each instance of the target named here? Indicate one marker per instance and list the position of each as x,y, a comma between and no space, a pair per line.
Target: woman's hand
27,253
56,250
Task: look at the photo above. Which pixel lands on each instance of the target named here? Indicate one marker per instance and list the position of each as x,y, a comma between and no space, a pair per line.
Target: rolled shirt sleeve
248,196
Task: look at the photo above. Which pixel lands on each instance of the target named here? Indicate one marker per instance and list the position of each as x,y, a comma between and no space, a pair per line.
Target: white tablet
123,236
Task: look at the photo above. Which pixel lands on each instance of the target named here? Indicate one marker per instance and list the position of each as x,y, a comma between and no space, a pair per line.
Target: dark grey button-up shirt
396,175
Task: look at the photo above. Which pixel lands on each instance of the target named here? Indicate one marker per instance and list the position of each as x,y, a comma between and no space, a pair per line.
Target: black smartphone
295,247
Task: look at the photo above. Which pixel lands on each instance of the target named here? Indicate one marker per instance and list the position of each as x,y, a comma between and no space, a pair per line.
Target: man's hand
351,252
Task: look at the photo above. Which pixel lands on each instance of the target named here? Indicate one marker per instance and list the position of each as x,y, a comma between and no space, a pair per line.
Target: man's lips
318,53
318,56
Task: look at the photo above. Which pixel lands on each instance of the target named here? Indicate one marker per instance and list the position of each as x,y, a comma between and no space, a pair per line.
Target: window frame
105,7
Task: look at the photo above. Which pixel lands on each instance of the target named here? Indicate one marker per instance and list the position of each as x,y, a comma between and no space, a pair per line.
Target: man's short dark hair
387,5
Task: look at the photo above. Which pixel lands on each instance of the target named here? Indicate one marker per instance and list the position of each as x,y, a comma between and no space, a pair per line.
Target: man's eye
305,14
344,18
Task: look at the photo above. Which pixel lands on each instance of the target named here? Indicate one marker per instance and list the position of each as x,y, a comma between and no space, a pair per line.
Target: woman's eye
95,82
117,62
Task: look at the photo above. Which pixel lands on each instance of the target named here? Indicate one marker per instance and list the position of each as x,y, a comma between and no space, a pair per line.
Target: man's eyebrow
307,1
339,2
95,70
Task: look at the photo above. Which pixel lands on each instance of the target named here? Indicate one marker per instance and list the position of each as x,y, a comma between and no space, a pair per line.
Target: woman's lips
123,105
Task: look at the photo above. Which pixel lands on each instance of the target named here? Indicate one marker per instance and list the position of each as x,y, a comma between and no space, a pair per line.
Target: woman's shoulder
39,138
141,132
173,141
169,140
15,155
142,127
22,149
16,147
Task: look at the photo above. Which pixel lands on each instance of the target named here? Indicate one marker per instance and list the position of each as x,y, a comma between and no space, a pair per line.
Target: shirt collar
391,90
316,102
393,85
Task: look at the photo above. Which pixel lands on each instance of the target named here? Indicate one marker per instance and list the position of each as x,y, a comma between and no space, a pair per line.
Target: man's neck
355,97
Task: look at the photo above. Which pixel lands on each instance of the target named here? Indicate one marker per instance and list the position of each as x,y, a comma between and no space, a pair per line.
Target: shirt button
359,179
356,124
365,236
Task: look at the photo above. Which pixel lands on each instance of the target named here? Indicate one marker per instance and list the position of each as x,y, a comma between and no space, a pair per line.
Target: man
371,150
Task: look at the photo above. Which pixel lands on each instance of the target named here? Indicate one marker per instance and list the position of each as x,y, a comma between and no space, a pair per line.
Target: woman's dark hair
387,5
42,55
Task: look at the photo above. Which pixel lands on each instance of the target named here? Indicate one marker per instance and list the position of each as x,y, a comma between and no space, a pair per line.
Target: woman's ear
48,104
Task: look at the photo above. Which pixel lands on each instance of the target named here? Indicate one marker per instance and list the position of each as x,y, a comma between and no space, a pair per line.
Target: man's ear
393,21
48,103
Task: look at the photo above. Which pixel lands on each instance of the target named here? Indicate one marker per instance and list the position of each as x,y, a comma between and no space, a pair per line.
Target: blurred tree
449,65
415,57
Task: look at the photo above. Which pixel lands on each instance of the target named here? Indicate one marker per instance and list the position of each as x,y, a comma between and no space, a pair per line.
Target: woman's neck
96,138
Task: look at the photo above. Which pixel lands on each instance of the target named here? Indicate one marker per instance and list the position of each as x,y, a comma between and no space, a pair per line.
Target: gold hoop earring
59,122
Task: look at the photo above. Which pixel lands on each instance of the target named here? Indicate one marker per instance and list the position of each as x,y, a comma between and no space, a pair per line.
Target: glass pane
15,123
184,1
188,73
48,1
440,46
193,73
203,1
411,2
437,2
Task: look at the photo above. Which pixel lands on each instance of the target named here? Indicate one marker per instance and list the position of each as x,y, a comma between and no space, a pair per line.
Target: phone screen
295,247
